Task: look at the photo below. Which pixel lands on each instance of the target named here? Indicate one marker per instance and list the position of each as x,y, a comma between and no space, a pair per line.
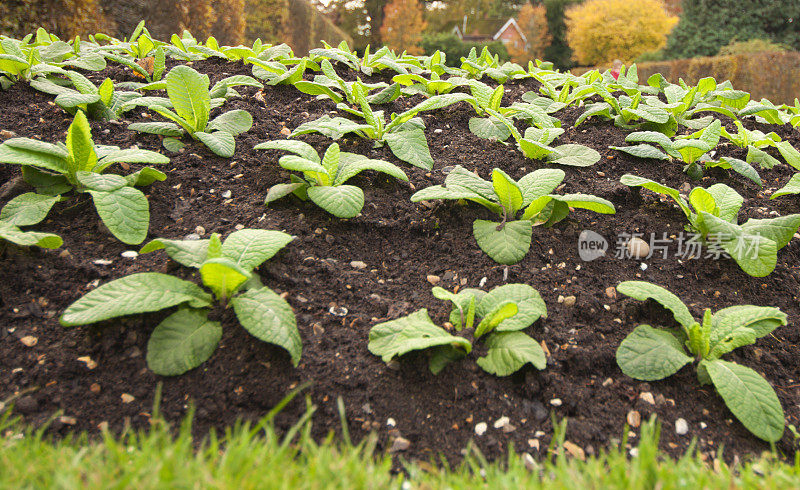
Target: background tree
533,22
229,23
707,25
599,31
403,25
558,51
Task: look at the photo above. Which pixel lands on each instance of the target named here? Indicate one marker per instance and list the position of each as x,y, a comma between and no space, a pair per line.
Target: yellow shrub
533,22
403,25
600,31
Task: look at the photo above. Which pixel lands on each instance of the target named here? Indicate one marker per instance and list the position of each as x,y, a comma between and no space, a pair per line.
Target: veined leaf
650,354
182,341
269,317
643,291
223,276
249,248
506,244
221,143
508,192
188,91
749,397
343,201
27,209
190,253
301,148
411,146
137,293
509,352
530,306
28,238
413,332
125,211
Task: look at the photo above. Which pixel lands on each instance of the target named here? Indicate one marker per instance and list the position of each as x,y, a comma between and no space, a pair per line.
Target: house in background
482,31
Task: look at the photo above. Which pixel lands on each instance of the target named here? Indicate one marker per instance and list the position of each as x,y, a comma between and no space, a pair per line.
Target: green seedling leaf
498,314
757,255
443,355
125,212
188,91
507,191
269,317
221,143
530,306
250,248
25,151
129,295
761,157
758,319
344,201
636,181
234,122
301,148
190,253
413,332
642,151
509,352
489,128
182,341
27,209
749,396
574,155
223,276
792,187
411,146
643,291
80,146
789,153
506,243
651,354
28,238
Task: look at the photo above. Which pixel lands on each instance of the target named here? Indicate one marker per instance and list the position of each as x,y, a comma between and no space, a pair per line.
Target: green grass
254,456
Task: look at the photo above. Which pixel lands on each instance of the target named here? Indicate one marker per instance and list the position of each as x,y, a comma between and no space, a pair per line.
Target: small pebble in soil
102,262
130,254
480,428
530,463
447,169
127,398
200,230
643,266
569,301
647,397
226,194
192,237
357,264
501,422
681,427
390,422
634,418
434,280
29,340
66,420
638,248
338,311
400,444
90,363
94,388
556,402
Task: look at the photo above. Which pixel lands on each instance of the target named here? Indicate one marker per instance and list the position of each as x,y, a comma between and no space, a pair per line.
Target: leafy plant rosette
187,338
508,242
503,312
651,354
323,180
713,214
26,210
191,98
80,165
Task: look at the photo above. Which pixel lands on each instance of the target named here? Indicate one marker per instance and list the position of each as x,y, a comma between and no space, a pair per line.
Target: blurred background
753,43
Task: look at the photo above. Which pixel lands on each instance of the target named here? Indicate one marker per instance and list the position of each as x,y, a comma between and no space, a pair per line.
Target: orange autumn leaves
403,24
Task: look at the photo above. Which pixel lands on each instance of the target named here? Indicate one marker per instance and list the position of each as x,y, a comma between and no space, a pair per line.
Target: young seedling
791,187
503,312
101,102
508,242
323,180
651,354
327,85
713,214
187,338
26,210
693,150
404,133
80,165
189,94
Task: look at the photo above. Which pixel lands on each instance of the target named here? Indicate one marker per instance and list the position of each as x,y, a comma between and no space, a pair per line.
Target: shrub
751,46
66,18
558,52
602,30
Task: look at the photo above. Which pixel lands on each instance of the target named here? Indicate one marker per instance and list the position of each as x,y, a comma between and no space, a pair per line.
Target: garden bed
406,248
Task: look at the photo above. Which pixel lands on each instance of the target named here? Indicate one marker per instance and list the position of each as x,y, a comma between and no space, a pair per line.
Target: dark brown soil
402,243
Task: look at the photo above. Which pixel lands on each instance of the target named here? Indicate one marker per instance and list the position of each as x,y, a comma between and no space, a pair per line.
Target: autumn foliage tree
532,20
403,25
599,31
